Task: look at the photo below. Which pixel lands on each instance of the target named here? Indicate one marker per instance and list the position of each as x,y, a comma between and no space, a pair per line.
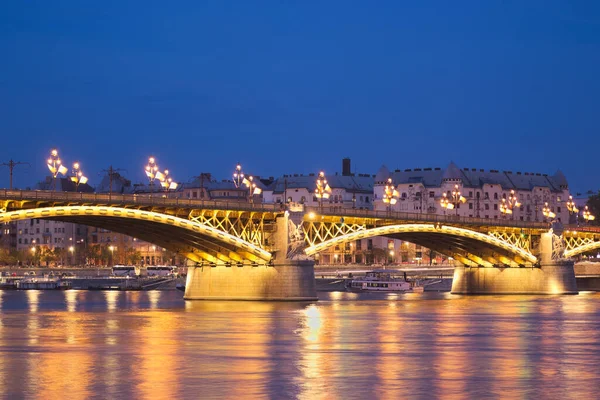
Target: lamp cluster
239,180
390,194
507,205
153,173
57,168
322,191
455,199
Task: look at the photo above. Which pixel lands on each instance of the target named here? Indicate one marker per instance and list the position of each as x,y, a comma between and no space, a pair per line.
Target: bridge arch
189,238
468,246
582,249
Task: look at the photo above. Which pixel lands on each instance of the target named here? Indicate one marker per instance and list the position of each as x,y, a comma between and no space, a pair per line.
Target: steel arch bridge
236,233
471,241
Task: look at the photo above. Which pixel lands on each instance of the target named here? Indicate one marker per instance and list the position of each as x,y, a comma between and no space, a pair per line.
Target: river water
155,345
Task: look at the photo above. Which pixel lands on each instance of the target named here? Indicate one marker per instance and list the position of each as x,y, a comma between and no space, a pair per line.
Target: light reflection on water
156,345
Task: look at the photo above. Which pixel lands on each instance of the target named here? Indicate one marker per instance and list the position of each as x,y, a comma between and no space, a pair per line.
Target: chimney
346,170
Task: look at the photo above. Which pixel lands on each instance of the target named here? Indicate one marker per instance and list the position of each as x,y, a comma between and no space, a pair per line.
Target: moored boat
42,284
380,280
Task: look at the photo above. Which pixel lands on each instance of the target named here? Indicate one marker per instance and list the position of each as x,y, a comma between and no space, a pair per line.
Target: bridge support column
285,279
552,277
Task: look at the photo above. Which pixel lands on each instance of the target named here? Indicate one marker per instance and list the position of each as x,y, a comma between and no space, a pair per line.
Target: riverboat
380,280
42,284
8,283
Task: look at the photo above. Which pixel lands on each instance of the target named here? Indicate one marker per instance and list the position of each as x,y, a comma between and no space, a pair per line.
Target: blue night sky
295,86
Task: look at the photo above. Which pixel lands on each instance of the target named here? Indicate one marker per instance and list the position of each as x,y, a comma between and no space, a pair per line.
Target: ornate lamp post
240,180
547,213
587,215
238,176
55,166
573,210
152,172
167,182
455,199
445,203
390,195
78,177
252,188
506,206
322,191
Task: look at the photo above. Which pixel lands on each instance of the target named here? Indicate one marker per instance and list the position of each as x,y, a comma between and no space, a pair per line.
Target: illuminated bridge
261,251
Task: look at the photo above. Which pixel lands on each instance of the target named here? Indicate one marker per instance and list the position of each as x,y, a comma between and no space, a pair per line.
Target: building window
471,194
495,196
431,195
495,206
558,209
470,206
487,206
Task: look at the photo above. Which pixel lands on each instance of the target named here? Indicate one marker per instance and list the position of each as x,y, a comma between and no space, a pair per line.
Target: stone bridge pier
288,276
553,275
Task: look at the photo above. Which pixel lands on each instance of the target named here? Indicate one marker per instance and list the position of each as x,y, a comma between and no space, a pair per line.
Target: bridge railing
146,199
583,228
426,217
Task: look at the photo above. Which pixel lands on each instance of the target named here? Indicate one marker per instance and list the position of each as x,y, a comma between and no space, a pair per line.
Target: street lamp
152,172
390,194
55,166
547,213
112,253
72,251
78,177
238,176
587,215
252,188
322,191
167,182
453,202
239,179
573,210
506,206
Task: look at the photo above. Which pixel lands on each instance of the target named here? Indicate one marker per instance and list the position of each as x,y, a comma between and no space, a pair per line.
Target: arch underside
582,249
468,247
187,238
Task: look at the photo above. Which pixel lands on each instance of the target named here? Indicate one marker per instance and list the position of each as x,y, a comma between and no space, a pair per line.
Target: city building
347,190
470,192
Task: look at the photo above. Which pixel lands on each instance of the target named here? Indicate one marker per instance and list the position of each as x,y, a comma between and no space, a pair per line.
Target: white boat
380,280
